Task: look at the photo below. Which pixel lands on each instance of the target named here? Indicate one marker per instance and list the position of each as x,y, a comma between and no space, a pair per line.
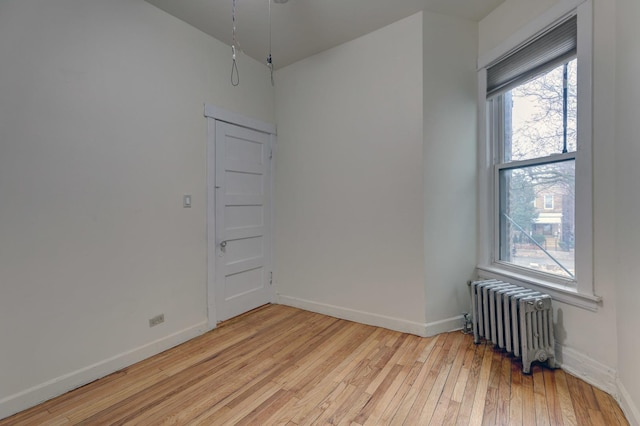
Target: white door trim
220,114
213,114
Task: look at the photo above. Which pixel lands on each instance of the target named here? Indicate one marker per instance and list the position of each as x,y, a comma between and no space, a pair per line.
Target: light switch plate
186,201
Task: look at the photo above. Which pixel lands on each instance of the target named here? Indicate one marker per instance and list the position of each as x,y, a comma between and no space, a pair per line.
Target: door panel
242,220
239,217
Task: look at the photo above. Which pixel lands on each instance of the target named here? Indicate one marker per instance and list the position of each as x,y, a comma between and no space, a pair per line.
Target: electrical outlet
158,319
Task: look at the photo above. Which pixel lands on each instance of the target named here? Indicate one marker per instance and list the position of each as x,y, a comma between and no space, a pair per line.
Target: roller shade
544,52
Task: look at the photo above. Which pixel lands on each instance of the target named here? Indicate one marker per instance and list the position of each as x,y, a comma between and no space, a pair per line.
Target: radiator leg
526,365
529,357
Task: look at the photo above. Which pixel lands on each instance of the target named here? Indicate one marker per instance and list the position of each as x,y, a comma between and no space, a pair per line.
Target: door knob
223,244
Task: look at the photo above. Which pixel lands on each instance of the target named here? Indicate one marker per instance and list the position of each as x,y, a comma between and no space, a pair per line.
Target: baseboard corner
444,326
629,408
588,369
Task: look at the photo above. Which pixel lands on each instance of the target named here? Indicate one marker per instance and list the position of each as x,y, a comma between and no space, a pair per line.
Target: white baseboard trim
392,323
445,325
59,385
397,324
630,409
587,369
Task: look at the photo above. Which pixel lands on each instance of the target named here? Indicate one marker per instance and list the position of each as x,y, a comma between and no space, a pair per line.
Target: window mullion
540,161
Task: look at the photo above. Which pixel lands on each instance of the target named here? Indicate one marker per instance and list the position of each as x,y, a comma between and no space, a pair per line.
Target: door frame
213,114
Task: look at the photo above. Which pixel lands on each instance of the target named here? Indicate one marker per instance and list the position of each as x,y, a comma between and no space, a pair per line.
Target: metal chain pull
235,75
269,57
270,65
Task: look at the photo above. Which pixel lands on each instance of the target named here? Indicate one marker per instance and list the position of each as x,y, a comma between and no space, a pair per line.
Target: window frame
544,202
499,167
578,291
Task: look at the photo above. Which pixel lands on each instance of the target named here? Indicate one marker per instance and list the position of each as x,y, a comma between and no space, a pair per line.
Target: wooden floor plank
461,382
316,366
401,386
606,407
515,402
503,412
266,409
381,395
455,402
419,384
440,394
528,400
430,391
564,399
553,399
479,400
491,399
470,390
540,401
580,404
279,365
441,410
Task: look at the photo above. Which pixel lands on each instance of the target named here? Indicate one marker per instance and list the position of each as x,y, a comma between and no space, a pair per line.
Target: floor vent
515,319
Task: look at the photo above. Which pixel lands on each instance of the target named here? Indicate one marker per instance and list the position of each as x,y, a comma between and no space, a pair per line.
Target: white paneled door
242,219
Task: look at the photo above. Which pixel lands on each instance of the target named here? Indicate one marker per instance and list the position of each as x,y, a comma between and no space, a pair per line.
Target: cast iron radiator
515,319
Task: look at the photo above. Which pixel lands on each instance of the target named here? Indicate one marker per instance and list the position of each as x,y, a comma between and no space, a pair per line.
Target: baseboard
600,376
397,324
587,369
629,408
445,325
52,388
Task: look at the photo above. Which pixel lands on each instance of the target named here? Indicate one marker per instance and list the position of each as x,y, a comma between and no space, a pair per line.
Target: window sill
558,292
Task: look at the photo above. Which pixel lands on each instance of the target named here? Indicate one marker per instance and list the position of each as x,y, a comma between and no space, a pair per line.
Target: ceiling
301,28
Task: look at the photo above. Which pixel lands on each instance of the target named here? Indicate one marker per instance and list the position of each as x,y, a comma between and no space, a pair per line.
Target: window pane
532,235
534,115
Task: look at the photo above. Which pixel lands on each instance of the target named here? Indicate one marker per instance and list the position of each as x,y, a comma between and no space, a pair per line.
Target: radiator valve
467,323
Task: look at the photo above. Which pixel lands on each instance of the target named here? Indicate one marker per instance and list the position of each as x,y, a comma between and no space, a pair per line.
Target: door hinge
270,278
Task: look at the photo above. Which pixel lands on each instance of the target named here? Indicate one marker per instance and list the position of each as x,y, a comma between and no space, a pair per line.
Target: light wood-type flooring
281,365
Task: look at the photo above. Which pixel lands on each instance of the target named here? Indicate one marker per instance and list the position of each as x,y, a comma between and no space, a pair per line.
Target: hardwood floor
280,365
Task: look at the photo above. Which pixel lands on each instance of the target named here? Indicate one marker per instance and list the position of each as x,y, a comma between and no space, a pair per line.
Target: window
534,111
548,201
537,147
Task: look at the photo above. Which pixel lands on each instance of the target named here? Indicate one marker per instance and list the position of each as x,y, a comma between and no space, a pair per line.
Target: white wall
628,201
507,19
349,180
101,133
599,346
450,169
376,172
